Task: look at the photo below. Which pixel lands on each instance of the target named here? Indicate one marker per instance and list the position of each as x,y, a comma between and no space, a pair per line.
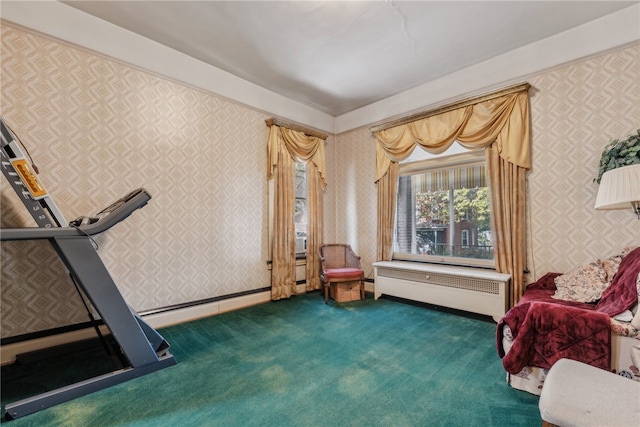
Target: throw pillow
582,284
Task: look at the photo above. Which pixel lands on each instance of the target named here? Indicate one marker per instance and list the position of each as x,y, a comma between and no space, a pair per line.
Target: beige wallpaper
356,198
575,111
330,191
98,129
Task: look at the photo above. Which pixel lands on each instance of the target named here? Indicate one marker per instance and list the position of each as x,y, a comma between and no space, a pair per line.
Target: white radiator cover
470,289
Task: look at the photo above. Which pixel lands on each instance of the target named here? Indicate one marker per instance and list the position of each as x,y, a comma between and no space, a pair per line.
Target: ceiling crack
403,20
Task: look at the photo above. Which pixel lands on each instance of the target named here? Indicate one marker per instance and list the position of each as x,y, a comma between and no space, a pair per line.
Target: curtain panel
508,219
283,263
284,148
315,228
387,189
500,123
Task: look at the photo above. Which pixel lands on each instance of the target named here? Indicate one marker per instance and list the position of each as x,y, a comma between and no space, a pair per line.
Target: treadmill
141,347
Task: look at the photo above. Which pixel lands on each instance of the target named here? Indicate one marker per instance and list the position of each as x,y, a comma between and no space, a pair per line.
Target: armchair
581,395
339,264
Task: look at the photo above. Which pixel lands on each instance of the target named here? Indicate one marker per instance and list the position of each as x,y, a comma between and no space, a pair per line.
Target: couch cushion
577,394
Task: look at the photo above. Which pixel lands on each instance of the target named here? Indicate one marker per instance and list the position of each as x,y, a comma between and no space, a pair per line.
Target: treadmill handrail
134,200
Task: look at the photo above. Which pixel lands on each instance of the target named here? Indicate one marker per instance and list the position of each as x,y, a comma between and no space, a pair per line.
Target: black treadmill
142,348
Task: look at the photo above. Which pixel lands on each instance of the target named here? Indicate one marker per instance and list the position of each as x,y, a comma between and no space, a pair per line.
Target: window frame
464,238
434,163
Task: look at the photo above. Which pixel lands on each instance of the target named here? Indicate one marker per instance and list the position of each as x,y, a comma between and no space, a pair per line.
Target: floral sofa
589,314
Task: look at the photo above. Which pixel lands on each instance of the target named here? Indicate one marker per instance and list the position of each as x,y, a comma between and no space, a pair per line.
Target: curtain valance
300,146
503,119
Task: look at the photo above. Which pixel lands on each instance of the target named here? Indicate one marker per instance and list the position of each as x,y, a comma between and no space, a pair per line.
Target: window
465,238
443,211
300,214
301,210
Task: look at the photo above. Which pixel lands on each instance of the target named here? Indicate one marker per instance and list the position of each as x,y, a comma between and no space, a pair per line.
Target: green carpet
300,362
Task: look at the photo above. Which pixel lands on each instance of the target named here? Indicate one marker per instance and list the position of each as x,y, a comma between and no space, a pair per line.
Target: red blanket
545,329
545,332
622,294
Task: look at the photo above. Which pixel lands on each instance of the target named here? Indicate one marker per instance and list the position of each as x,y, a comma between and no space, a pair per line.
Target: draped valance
302,146
503,119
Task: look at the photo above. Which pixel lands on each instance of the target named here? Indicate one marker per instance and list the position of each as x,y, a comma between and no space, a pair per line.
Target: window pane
301,181
300,214
445,214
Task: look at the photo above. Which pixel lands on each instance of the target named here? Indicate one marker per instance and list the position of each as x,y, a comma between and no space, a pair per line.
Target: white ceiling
338,56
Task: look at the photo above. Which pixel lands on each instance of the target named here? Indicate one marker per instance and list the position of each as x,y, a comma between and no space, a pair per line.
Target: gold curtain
387,192
301,147
283,267
508,218
500,122
284,148
504,120
315,226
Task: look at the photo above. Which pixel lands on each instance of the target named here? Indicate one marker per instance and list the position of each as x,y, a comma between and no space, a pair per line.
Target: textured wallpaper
356,198
98,129
576,110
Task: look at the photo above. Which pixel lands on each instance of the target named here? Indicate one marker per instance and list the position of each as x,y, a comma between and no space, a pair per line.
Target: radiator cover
470,289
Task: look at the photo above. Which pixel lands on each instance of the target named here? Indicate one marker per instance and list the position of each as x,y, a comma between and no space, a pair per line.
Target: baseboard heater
474,290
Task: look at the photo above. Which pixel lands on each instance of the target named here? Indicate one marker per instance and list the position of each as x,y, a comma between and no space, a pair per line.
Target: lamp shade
619,188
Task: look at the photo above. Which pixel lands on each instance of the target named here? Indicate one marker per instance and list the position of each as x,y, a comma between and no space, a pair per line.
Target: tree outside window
443,213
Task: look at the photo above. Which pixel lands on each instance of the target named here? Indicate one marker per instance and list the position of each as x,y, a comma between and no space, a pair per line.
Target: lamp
620,188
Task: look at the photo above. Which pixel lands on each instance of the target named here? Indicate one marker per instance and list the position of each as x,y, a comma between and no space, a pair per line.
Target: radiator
470,289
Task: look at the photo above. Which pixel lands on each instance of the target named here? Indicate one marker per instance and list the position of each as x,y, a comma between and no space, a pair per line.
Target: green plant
620,153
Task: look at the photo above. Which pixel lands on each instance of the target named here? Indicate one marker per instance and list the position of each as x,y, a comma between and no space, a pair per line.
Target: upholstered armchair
339,264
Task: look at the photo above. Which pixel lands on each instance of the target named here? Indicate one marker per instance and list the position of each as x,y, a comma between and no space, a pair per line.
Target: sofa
589,315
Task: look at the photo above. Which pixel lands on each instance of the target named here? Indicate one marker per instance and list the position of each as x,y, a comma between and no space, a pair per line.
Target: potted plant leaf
620,153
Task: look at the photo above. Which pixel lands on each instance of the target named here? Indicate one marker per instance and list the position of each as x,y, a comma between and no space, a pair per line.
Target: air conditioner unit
301,244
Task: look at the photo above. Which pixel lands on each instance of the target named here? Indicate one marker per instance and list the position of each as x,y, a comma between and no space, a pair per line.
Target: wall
356,197
97,129
576,110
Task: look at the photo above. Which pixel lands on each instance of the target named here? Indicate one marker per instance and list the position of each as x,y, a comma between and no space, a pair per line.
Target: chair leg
326,292
362,296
